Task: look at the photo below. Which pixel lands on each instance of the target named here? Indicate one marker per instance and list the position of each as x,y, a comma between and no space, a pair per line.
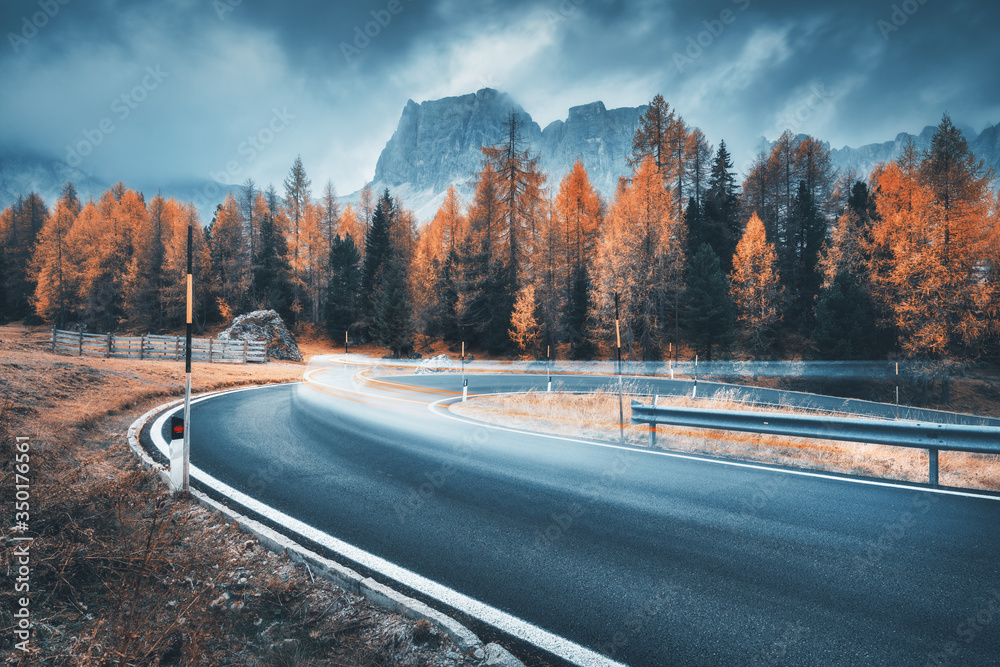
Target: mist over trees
797,260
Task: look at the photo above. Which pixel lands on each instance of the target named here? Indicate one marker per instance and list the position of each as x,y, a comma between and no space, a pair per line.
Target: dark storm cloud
245,86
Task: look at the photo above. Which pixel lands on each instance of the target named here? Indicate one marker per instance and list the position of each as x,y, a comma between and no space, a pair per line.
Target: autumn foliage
755,288
802,261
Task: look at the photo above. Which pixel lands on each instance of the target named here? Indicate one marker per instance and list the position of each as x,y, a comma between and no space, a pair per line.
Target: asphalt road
648,558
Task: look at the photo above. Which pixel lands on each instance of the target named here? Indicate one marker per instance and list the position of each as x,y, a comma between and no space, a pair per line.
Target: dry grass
595,416
125,574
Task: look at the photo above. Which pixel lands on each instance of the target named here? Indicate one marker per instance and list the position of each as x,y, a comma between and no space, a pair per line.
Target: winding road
598,554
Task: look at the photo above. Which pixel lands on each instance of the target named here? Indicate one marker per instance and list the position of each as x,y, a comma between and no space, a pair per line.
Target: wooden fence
210,350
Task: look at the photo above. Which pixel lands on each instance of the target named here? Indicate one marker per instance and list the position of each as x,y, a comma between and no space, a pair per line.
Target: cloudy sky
168,91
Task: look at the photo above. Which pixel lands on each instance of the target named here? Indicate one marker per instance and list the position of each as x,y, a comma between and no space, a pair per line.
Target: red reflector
178,429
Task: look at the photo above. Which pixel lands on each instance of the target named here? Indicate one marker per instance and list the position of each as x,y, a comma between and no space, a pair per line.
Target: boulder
268,326
442,362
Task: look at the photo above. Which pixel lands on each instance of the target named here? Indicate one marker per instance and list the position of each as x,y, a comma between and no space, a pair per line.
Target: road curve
648,558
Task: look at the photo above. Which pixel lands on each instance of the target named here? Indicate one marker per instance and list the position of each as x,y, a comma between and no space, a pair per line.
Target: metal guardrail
826,370
933,437
210,350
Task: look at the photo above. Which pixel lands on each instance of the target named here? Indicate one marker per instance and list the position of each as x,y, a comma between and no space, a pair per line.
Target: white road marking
512,625
508,623
436,409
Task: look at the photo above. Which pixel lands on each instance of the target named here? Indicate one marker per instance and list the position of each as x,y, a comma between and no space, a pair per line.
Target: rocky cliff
437,144
985,145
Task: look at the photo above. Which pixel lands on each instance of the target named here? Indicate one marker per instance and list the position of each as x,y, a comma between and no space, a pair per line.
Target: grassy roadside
124,574
595,416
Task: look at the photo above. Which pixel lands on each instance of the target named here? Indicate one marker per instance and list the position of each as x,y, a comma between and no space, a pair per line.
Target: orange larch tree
641,258
143,279
929,248
119,220
755,288
524,329
50,268
432,272
578,213
662,135
350,225
316,262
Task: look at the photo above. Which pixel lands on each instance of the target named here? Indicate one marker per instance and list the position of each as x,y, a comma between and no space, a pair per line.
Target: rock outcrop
437,144
265,325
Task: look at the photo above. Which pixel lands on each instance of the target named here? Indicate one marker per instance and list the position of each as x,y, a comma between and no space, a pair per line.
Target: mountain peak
438,143
587,110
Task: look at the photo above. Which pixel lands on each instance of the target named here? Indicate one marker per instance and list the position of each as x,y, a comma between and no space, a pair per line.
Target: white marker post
548,359
180,452
465,383
694,392
618,347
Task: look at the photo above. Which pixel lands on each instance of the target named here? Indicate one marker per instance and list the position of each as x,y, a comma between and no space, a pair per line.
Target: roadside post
694,392
618,348
180,452
548,363
465,382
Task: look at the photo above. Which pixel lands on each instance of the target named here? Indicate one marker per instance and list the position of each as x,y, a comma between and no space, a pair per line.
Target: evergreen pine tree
392,324
378,249
500,293
19,228
721,211
271,269
694,220
846,326
446,289
578,315
807,232
710,315
342,309
861,202
55,288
